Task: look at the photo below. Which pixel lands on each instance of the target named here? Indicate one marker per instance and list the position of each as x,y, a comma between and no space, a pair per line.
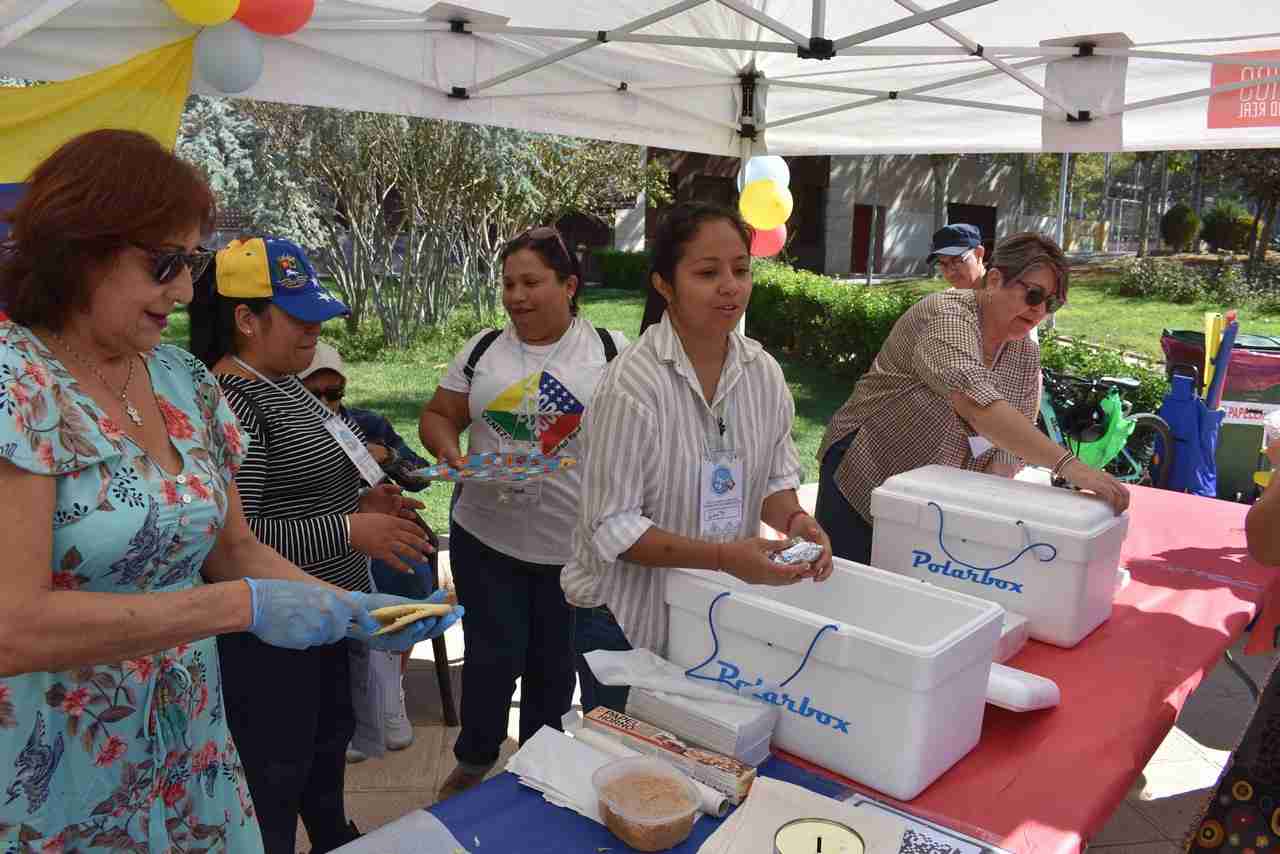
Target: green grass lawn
398,384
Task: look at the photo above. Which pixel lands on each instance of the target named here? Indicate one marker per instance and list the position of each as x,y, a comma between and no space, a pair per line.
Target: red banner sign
1252,106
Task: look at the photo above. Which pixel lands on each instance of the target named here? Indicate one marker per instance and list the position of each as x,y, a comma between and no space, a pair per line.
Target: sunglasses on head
166,264
333,394
546,232
1036,295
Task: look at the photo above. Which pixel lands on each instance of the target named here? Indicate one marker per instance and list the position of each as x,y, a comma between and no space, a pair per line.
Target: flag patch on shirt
549,416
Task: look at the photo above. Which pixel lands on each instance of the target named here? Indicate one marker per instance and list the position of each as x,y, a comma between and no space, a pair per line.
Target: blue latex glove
299,614
403,640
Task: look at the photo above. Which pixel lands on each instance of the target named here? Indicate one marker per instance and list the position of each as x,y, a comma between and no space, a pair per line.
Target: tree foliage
409,215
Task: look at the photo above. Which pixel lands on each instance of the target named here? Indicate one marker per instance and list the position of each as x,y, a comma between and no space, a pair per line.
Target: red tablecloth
1045,782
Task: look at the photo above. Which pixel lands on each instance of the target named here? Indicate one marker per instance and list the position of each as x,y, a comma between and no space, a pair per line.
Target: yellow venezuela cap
276,269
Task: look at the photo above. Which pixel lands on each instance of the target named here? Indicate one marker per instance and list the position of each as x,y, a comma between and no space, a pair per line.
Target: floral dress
134,756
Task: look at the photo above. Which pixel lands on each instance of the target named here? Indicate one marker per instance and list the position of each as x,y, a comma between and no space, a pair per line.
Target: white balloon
769,166
229,57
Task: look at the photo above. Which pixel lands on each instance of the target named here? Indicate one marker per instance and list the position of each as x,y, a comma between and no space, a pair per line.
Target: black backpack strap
610,346
477,351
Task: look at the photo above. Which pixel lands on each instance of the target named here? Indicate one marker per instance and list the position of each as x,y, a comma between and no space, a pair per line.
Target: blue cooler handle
692,672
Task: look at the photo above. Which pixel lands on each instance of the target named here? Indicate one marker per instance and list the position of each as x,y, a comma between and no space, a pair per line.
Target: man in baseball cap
957,250
276,269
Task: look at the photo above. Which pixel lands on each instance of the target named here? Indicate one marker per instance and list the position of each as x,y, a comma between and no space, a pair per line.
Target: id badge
355,450
722,486
526,492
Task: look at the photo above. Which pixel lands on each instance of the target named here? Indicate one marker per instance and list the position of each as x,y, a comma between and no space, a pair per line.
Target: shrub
1171,281
1081,361
1227,225
626,270
841,325
1180,227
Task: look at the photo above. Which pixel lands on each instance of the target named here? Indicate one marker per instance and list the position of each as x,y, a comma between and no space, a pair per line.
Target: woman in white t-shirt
525,388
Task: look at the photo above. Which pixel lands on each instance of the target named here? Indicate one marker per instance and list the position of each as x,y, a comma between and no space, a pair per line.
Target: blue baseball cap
955,239
277,269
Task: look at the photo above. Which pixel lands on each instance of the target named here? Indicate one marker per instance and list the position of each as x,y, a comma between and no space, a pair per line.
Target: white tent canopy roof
667,73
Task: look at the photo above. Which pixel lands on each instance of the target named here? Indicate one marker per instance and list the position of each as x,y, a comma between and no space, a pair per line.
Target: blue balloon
229,57
769,166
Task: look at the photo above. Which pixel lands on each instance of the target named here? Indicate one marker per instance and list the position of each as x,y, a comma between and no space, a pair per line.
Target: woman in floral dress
117,457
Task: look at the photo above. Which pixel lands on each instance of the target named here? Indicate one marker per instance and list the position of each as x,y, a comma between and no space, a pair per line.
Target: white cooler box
960,529
892,697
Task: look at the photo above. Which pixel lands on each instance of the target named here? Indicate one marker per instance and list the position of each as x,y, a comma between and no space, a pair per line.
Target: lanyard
318,408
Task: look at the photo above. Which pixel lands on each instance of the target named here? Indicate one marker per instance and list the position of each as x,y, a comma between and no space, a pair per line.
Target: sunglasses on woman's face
333,394
166,264
1036,295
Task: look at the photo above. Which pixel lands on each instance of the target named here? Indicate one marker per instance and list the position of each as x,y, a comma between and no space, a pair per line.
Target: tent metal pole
33,19
607,87
1062,199
573,50
968,78
978,50
925,17
1199,93
819,26
875,215
1180,57
769,23
816,114
905,95
693,41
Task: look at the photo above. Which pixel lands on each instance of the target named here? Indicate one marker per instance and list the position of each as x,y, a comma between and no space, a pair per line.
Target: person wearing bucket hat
255,321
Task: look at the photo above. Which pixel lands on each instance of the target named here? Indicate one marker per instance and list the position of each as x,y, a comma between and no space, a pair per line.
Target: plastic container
646,803
1048,554
892,697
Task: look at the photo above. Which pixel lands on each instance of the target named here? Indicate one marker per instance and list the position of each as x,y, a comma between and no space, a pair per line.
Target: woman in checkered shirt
956,383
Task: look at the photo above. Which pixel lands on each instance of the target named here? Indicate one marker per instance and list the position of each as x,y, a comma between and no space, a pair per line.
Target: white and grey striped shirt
644,441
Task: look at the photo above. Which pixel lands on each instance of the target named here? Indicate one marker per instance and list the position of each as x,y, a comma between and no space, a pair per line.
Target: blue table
508,817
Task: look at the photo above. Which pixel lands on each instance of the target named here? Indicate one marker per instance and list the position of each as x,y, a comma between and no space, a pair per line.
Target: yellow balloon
765,205
205,13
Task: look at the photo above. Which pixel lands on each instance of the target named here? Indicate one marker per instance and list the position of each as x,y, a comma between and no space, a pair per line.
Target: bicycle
1071,414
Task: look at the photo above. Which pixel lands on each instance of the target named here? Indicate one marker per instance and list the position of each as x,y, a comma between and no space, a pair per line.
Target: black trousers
517,626
290,714
850,534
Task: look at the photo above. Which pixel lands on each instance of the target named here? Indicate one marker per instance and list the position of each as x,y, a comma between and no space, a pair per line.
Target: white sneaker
399,729
354,756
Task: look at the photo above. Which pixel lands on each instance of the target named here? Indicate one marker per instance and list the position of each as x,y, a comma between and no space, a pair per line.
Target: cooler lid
959,490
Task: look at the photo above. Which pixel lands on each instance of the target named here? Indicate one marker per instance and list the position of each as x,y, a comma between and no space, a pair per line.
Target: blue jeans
850,534
517,627
593,629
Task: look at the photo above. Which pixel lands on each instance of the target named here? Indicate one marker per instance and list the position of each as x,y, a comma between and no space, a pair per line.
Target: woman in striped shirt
688,448
291,712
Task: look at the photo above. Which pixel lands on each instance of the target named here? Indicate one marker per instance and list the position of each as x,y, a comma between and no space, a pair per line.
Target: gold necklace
132,411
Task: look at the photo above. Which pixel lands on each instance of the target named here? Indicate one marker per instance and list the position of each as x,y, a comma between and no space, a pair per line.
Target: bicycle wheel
1147,458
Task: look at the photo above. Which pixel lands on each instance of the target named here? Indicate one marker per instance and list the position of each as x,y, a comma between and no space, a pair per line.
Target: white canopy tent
735,77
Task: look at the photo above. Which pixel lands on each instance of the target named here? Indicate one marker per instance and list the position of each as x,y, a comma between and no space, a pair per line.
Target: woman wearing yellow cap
310,491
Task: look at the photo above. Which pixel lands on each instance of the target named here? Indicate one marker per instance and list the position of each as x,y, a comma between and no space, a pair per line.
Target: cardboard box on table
1046,553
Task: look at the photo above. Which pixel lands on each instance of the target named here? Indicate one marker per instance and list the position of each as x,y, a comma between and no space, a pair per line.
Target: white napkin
560,767
773,803
412,834
642,668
